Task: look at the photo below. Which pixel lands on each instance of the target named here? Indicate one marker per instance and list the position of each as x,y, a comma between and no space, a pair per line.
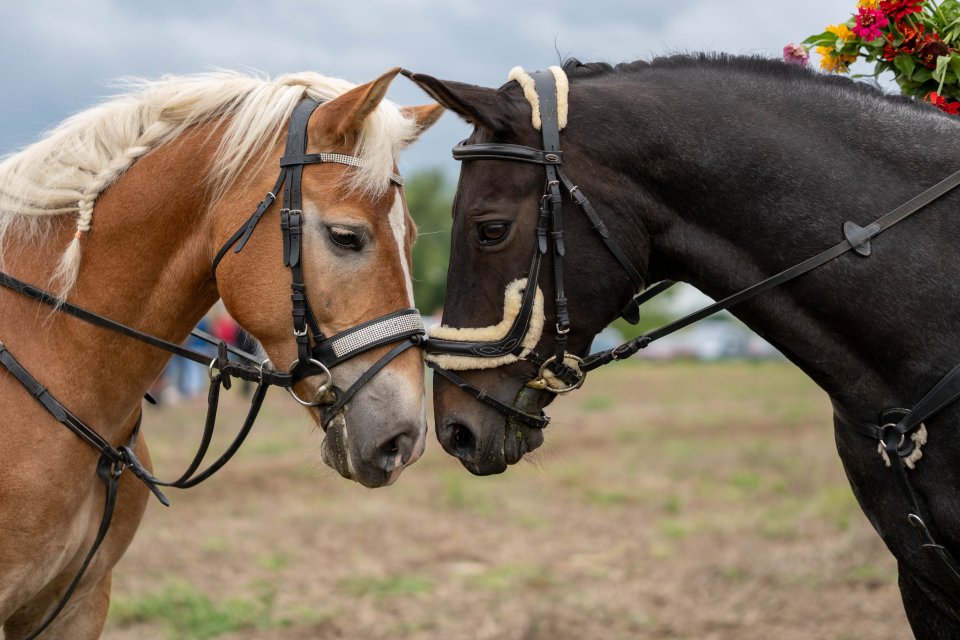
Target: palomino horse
150,186
734,175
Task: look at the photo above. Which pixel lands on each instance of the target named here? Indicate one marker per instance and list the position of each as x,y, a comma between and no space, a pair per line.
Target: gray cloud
61,55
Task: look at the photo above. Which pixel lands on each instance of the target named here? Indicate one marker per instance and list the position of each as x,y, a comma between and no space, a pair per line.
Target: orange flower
833,63
868,4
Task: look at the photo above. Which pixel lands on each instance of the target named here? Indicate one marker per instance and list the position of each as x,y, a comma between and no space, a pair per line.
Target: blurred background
691,493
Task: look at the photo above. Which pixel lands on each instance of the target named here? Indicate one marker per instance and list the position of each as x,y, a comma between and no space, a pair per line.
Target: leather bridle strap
481,395
111,481
246,372
893,431
330,413
853,241
404,325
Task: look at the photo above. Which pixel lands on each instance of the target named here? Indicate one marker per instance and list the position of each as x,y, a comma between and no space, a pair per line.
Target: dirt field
670,501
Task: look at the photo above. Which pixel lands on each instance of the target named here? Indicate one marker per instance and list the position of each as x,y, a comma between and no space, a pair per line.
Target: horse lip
519,439
335,451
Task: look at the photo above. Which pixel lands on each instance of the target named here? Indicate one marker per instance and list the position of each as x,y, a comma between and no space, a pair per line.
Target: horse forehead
380,212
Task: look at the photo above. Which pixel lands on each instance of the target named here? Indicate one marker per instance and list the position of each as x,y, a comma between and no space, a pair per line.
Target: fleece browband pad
512,299
530,92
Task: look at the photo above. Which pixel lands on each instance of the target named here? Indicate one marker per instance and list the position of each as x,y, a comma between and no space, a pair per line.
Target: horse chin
518,438
508,444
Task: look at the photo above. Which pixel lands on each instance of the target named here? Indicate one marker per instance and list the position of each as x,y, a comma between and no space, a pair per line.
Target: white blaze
398,224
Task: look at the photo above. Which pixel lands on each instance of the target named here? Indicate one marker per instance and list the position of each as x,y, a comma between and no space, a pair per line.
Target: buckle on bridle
620,352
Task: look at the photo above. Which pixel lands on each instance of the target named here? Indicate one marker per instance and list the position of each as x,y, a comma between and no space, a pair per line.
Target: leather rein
317,354
893,428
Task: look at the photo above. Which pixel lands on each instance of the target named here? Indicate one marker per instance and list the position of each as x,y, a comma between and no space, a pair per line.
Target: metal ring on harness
210,368
321,389
883,431
542,383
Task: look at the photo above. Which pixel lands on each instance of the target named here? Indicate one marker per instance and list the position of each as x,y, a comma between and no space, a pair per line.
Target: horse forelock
72,164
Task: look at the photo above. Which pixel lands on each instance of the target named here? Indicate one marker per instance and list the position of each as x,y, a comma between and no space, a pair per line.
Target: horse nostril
395,452
459,441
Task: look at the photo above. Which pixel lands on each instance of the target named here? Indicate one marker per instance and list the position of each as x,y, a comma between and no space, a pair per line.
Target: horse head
511,263
352,265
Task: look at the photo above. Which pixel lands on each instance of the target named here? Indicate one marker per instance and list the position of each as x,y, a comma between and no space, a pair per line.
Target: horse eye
492,232
345,238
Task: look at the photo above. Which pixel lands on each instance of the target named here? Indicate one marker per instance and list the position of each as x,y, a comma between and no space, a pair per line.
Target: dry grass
670,501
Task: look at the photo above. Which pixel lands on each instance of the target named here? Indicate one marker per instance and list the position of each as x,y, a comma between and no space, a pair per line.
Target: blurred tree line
430,200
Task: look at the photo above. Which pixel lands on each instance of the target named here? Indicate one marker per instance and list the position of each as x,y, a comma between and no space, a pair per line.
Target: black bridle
549,234
316,353
893,427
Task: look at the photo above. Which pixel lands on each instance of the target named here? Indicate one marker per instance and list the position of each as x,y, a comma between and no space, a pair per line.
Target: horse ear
425,116
348,111
480,106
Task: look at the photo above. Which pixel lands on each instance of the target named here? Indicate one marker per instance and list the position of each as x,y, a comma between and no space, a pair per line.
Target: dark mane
754,65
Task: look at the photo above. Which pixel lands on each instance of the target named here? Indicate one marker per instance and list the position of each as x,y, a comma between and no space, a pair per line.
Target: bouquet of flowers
917,40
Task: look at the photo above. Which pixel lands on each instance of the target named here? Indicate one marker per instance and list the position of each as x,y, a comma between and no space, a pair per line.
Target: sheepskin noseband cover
511,309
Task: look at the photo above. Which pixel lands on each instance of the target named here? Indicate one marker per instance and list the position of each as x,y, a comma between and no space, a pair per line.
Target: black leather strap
365,377
878,226
519,153
111,481
537,422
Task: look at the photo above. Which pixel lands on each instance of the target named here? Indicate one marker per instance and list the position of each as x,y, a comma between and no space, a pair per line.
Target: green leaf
904,65
942,62
821,38
921,75
955,66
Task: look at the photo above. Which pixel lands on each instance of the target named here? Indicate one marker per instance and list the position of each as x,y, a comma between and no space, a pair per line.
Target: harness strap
537,422
895,425
110,475
365,377
881,224
495,151
601,229
947,561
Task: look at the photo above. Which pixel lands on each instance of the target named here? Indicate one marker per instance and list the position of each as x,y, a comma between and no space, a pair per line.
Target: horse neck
145,263
756,176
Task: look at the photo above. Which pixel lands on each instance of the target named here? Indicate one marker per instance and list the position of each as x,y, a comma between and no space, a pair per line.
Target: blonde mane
71,165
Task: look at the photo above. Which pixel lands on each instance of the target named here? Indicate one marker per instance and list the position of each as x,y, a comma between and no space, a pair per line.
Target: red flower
912,38
889,53
951,107
930,49
897,10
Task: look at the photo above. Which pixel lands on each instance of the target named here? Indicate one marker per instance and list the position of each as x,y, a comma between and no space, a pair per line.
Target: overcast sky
60,56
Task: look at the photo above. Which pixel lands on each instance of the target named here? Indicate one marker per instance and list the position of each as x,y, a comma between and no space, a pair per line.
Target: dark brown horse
149,186
719,172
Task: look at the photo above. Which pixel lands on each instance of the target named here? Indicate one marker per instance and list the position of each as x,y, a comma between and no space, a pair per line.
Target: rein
316,353
894,428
